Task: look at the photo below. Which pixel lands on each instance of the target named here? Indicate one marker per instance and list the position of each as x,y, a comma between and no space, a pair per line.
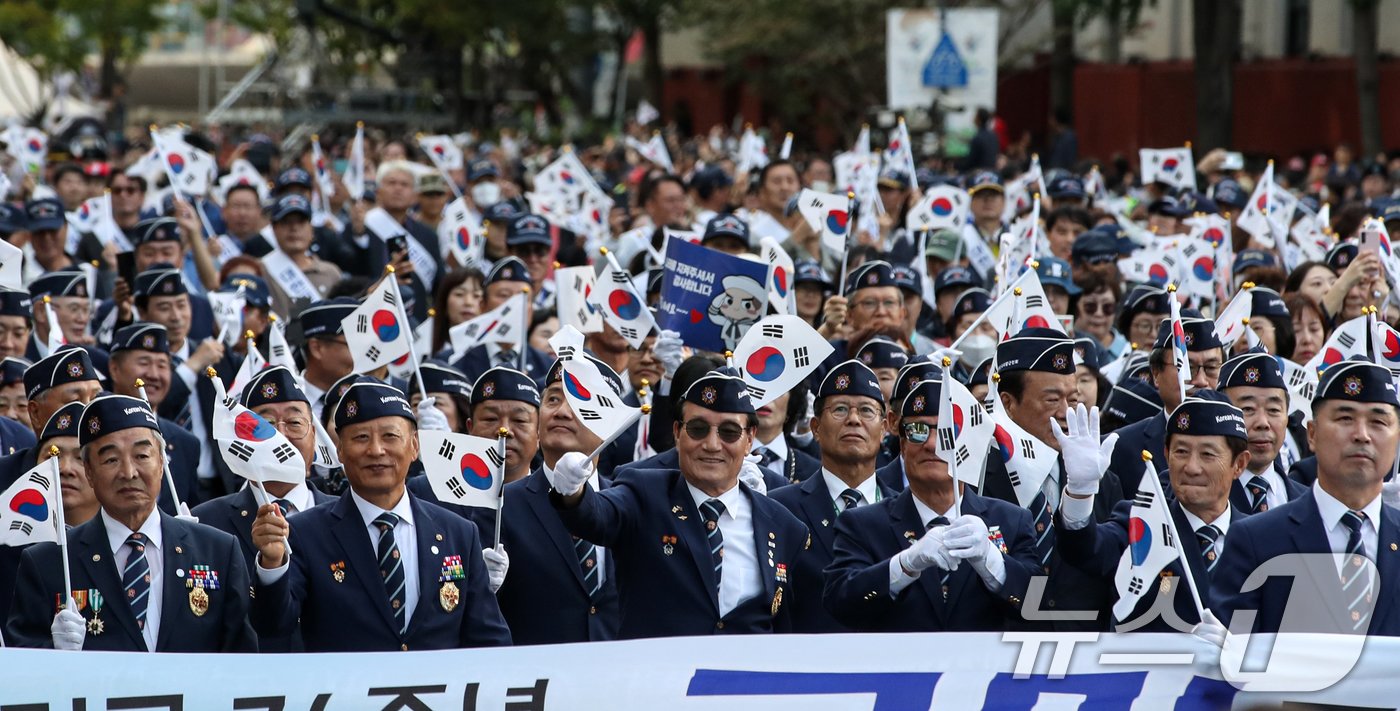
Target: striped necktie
1209,536
942,582
1258,488
136,578
1357,582
711,511
1044,524
391,567
850,499
285,507
588,563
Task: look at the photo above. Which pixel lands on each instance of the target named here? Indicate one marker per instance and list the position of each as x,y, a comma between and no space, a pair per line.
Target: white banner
911,42
887,672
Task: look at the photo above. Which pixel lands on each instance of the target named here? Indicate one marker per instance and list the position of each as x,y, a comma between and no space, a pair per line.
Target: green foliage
59,34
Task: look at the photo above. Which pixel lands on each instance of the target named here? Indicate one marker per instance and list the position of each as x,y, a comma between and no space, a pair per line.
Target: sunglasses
1096,307
729,432
917,432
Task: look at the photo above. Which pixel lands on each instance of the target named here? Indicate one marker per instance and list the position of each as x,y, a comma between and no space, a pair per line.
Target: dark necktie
185,413
766,457
1356,583
1044,524
588,563
942,582
711,511
506,357
136,578
1258,488
285,507
851,499
1208,536
391,567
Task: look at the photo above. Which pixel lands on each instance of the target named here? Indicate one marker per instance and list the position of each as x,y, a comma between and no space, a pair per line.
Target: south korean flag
251,447
462,469
776,354
376,330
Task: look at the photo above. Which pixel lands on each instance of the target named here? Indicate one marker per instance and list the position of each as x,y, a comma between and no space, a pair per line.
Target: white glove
929,551
752,475
185,515
1212,639
497,563
667,349
1085,457
431,418
572,472
69,629
1390,492
968,539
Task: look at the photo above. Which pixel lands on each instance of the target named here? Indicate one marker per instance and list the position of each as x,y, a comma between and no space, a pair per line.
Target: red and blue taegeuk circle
1204,268
1390,346
1004,443
1157,274
1170,164
957,420
1139,539
31,503
780,281
249,426
475,472
1214,235
1036,322
464,238
942,207
624,304
575,387
765,364
177,163
836,221
386,325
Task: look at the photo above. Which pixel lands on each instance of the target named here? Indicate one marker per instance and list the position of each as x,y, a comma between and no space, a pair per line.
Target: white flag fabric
252,363
462,469
503,324
622,307
1022,191
575,286
29,146
1152,544
278,351
753,152
462,234
11,267
646,113
1153,264
1302,384
251,447
1269,212
595,403
191,170
1031,309
375,330
442,151
1347,340
1180,357
654,150
965,431
1230,324
776,354
942,207
228,314
354,178
899,155
320,170
1173,166
829,214
241,172
27,515
1028,461
780,273
55,338
1195,266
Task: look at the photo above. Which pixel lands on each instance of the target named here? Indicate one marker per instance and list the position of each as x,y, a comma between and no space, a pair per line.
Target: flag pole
502,435
403,313
1181,549
851,211
61,523
524,329
947,395
180,507
456,192
983,316
643,410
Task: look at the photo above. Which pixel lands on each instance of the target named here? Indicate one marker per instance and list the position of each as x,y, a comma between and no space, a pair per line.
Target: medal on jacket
201,580
95,626
777,601
449,595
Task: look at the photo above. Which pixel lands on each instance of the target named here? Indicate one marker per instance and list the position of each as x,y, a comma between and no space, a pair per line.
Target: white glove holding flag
572,472
968,539
431,418
751,475
667,349
497,563
929,551
1213,637
185,514
68,628
1085,457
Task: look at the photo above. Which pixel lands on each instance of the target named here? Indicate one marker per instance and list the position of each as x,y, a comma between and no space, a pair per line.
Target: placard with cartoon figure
709,297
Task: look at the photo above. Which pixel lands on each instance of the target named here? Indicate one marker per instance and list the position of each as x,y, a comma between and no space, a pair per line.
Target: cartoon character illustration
739,306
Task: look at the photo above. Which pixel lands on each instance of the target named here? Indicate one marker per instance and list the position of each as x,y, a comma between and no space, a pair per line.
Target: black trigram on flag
621,277
1144,499
503,329
1015,478
470,331
21,526
283,452
39,480
1135,585
590,415
325,451
362,324
945,437
1168,539
578,284
565,352
603,401
756,392
389,297
628,332
1346,340
279,351
505,310
373,353
772,330
240,450
495,457
799,357
962,454
1028,449
977,416
447,449
455,486
1035,301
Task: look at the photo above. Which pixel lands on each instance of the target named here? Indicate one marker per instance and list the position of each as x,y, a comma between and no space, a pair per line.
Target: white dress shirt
779,449
739,574
315,395
898,578
117,534
868,489
1278,492
1332,511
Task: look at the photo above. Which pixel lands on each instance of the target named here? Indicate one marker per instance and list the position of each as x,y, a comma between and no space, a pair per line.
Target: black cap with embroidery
160,280
1199,332
851,378
881,352
371,399
923,400
63,423
868,275
323,318
141,336
508,269
60,282
1133,400
1252,369
12,370
1043,350
502,383
439,378
15,303
919,368
720,390
70,364
1358,380
1209,416
109,414
155,229
274,384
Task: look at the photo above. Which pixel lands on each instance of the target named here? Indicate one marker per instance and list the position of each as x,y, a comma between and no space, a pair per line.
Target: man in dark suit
142,581
560,588
919,368
321,341
1206,355
158,243
773,444
849,423
379,569
1207,449
919,562
63,377
67,292
886,358
1254,382
874,306
509,277
1036,383
696,551
141,354
1355,431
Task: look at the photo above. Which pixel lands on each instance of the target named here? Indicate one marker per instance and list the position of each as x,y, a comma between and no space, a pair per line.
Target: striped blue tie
711,511
1044,524
136,578
1258,488
588,563
391,567
1209,537
1357,578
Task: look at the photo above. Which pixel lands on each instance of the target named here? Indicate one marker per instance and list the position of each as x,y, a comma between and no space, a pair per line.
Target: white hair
400,166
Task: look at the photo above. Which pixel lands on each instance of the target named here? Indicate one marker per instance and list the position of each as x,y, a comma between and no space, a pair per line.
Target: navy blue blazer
544,599
183,448
14,437
476,361
222,628
1126,460
1304,471
811,503
891,475
1239,498
669,459
350,612
1296,527
798,467
98,356
858,580
1097,549
650,525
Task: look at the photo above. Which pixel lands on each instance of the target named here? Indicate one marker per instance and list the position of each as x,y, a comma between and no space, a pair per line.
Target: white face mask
977,348
486,194
820,186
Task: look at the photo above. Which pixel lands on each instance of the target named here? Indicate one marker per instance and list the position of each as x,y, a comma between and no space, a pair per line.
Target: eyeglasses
294,427
876,304
1092,308
869,413
729,432
917,432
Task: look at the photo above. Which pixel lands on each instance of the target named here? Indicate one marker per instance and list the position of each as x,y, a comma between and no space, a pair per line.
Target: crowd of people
827,509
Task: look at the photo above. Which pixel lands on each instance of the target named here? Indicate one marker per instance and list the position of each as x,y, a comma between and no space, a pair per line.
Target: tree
1216,35
58,35
1365,25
